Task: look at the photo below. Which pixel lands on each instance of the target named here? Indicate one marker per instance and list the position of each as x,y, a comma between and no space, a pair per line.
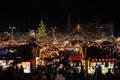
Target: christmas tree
41,35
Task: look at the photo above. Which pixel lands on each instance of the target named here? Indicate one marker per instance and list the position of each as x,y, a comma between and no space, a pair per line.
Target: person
109,75
21,72
98,74
117,74
59,76
44,77
83,75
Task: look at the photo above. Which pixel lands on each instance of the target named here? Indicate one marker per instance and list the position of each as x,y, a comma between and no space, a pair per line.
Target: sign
103,60
77,57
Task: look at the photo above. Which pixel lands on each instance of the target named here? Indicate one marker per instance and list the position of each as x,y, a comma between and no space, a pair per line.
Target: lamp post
12,28
53,33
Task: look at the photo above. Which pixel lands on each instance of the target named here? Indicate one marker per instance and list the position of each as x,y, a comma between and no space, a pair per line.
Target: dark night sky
25,14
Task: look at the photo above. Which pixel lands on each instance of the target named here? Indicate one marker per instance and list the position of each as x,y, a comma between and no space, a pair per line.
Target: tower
68,27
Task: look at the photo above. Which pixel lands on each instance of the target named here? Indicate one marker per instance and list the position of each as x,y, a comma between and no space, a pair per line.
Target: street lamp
12,28
53,33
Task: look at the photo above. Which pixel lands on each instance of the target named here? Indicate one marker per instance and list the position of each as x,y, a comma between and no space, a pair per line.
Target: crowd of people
61,70
12,73
58,70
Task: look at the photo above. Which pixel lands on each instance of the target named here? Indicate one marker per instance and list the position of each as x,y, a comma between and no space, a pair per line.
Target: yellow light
76,49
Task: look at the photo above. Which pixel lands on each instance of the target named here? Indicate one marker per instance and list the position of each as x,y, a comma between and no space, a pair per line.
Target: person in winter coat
59,77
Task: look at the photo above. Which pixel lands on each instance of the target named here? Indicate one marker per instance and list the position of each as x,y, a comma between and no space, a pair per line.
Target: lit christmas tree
41,35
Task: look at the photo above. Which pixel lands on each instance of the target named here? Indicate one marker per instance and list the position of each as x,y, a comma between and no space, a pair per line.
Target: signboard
76,57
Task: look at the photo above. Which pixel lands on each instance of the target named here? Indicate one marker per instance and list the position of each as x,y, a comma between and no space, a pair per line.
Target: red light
95,59
113,59
92,59
99,59
103,59
32,62
106,59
